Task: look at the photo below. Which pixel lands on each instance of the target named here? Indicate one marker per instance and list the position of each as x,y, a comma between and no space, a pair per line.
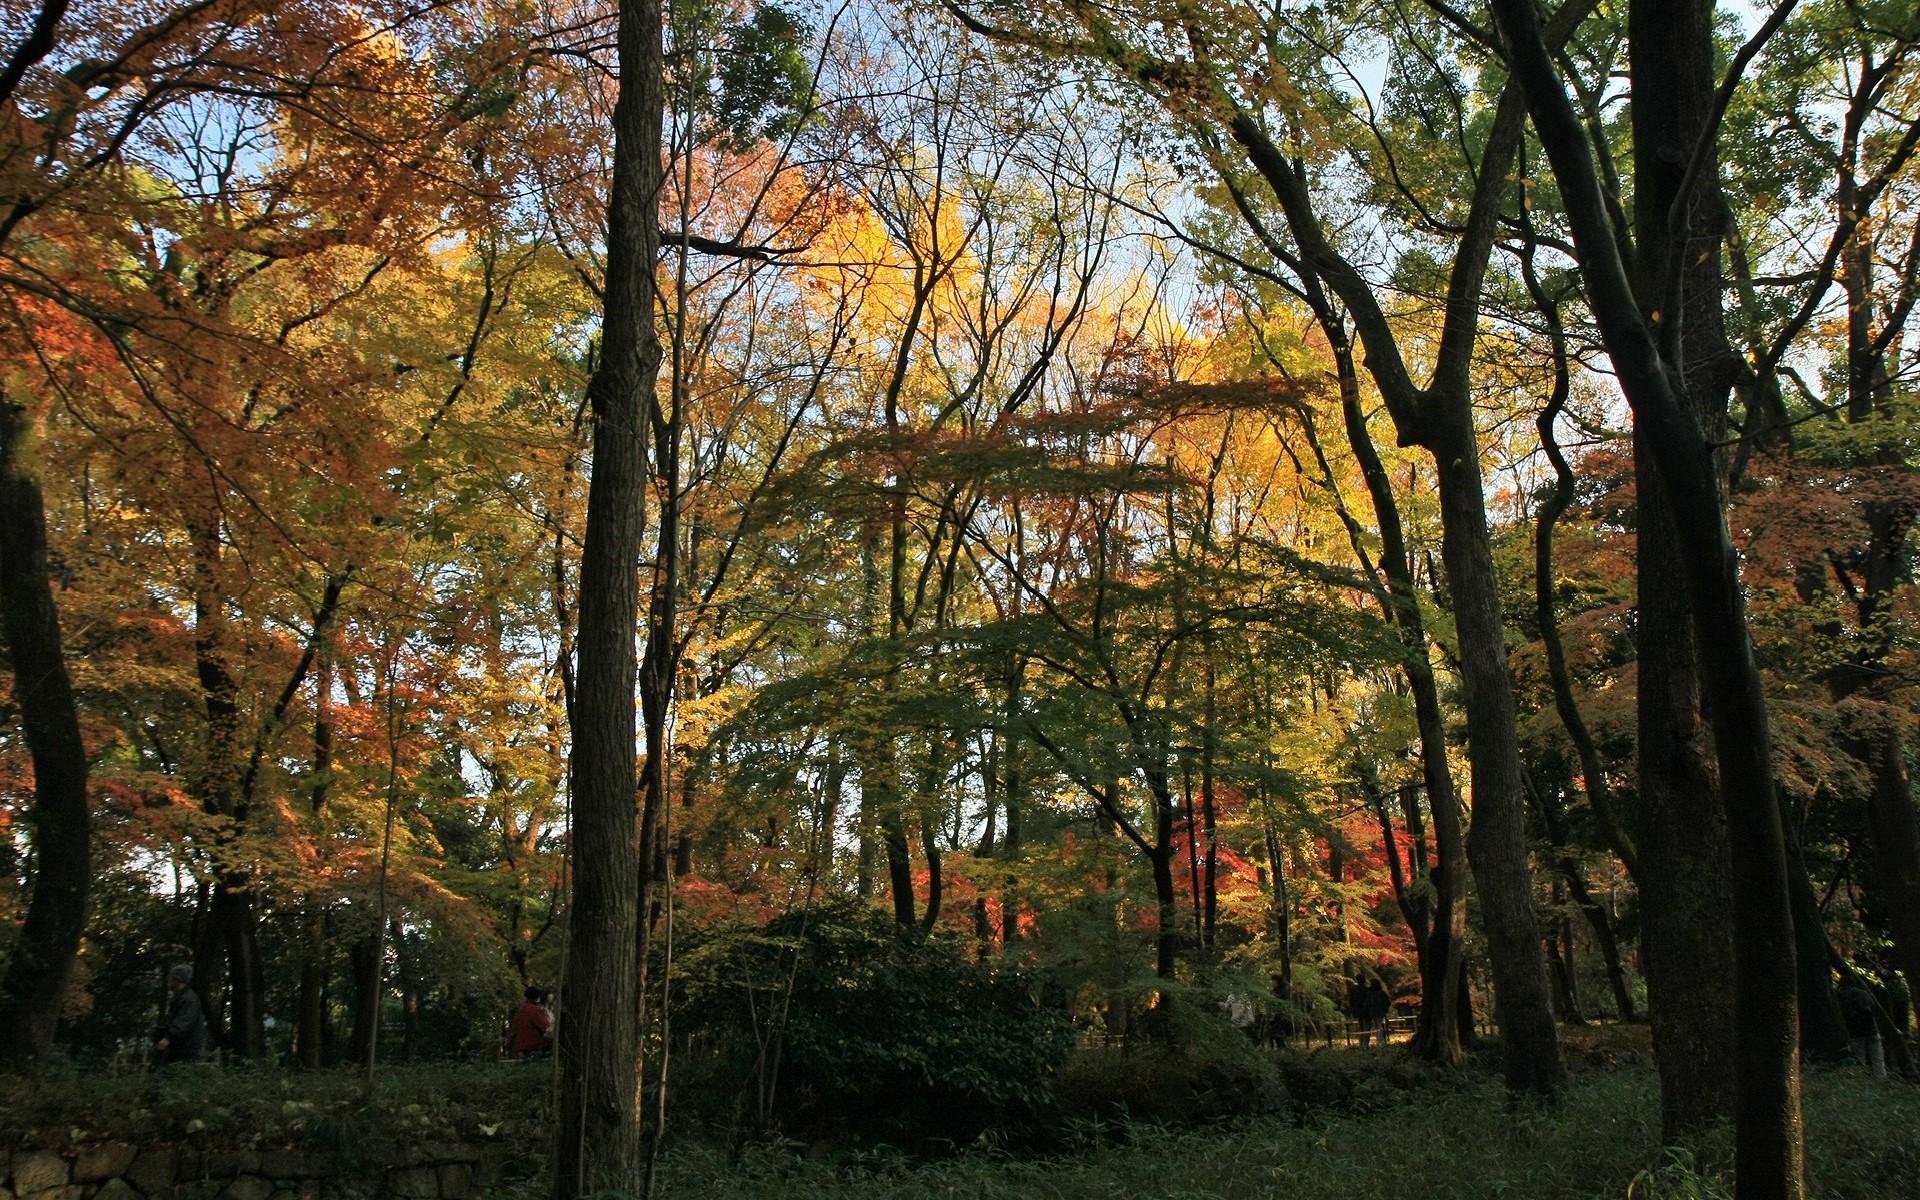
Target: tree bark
1497,839
1685,883
1166,937
1823,1034
1768,1149
597,1137
1439,417
363,960
310,1014
1437,1036
1013,798
42,960
1896,851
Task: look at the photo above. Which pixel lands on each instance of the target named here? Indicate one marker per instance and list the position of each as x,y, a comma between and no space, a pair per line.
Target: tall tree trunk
893,833
1768,1149
1684,881
1193,846
866,834
983,930
310,1013
209,959
230,936
1685,884
408,982
597,1137
930,845
1684,877
42,959
1497,841
1439,417
1282,914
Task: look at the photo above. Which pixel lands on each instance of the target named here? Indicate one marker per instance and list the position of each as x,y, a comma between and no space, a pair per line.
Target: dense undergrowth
1600,1141
1302,1124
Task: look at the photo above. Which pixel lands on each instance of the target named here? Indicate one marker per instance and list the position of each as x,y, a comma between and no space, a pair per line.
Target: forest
1212,598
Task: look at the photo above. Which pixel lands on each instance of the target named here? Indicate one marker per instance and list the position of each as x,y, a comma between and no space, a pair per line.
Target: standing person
552,1008
1861,1013
182,1037
1375,1004
1369,1006
529,1034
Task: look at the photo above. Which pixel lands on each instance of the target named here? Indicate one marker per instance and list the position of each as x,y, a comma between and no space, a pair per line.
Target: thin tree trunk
310,1015
1013,797
362,960
1566,987
1437,1035
929,843
1823,1033
1592,909
1896,851
1210,894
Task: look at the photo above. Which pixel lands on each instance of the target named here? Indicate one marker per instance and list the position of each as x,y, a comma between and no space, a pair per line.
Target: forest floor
1360,1125
1601,1140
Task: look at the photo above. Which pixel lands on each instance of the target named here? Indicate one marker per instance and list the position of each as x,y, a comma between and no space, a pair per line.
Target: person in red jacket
530,1033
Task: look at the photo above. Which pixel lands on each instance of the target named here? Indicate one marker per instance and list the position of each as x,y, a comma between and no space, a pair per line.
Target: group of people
1370,1004
183,1035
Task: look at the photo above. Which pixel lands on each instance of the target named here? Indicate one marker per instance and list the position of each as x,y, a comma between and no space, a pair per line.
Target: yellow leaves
696,718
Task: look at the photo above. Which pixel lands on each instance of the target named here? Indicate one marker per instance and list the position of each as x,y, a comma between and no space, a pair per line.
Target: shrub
1206,1071
838,1023
1355,1082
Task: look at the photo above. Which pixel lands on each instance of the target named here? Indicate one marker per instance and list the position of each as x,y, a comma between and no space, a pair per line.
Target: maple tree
1160,514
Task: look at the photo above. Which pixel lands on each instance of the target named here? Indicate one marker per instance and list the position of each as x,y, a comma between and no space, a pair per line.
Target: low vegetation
1338,1125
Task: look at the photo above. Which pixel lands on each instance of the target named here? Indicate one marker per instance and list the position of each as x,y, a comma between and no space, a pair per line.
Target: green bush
836,1023
1205,1071
1355,1082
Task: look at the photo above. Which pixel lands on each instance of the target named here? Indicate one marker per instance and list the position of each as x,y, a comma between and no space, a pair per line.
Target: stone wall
118,1171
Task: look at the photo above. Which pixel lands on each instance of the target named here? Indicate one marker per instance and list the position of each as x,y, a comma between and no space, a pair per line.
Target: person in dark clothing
182,1037
1861,1012
529,1034
1370,1008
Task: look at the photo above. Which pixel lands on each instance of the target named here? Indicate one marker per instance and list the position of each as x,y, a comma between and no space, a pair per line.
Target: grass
1376,1127
1601,1140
